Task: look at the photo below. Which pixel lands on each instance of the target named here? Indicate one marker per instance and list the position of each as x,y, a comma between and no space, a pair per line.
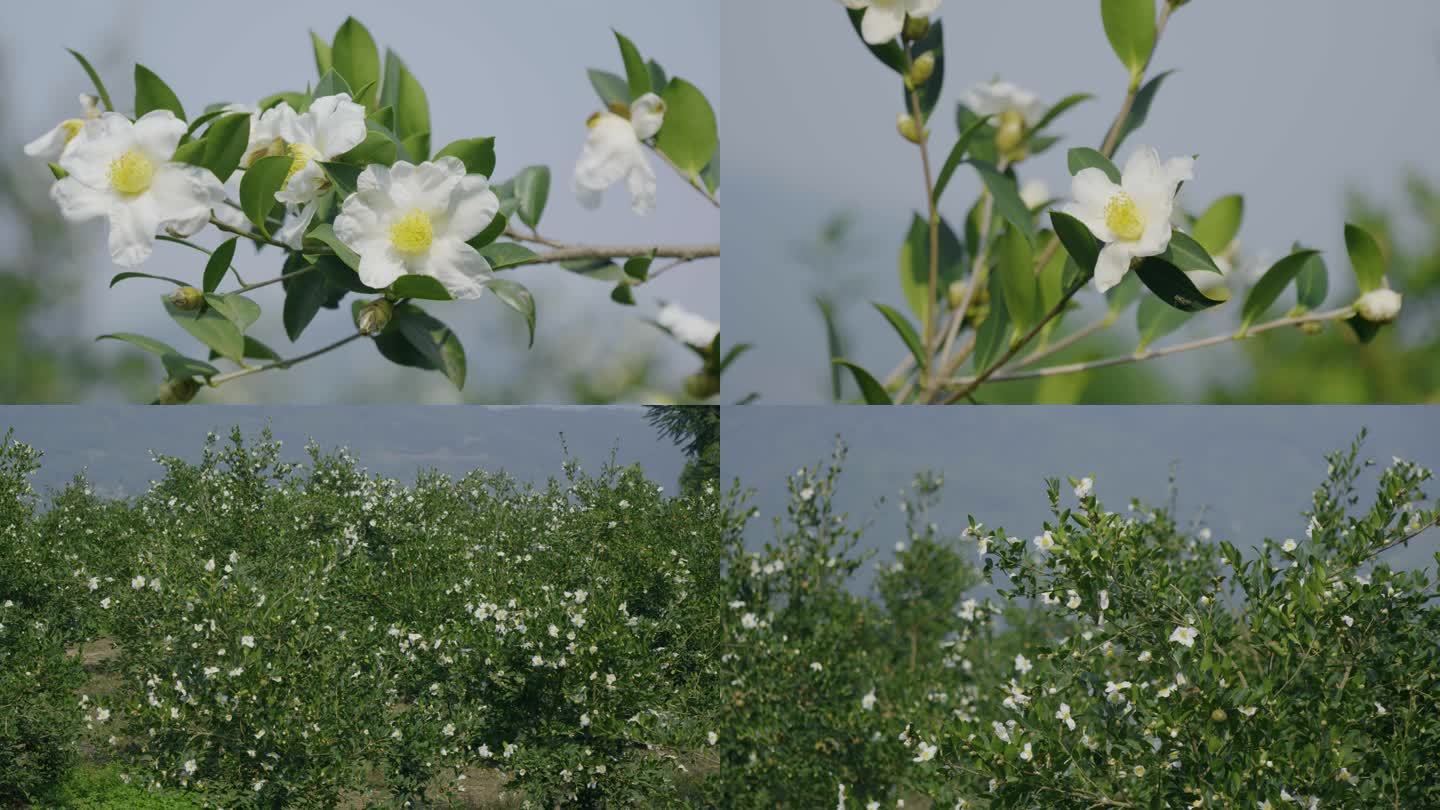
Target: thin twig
221,379
251,235
968,384
1067,341
207,251
932,303
692,180
566,254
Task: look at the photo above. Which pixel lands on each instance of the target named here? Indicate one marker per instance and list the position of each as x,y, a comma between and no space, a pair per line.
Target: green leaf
1272,284
219,264
379,146
598,269
1007,199
957,155
1122,295
907,333
689,136
236,308
478,154
332,84
1217,228
426,288
501,255
343,175
610,88
1018,281
355,57
225,143
834,347
1172,285
1077,240
493,231
1130,27
192,153
870,388
622,294
888,53
1154,320
128,274
1189,255
915,264
151,93
1083,157
637,73
929,92
711,175
305,294
1051,115
638,268
209,327
433,340
532,188
94,79
258,186
323,61
1140,110
324,233
57,172
179,367
402,91
1365,257
1313,283
149,344
993,336
515,295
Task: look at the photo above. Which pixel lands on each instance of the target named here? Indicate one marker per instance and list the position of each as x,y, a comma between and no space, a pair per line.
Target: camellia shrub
348,189
302,635
1128,659
999,292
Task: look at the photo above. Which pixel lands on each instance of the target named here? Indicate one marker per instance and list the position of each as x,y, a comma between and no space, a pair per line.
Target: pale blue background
113,445
1289,101
512,70
1247,472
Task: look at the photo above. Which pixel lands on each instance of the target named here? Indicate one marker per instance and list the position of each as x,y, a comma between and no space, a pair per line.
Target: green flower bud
916,28
187,298
955,294
375,316
1010,136
178,391
921,70
702,385
909,130
1219,716
1312,327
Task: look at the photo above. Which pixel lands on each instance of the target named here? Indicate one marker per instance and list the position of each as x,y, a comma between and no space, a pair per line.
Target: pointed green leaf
357,60
1365,257
1272,284
149,344
1017,279
1083,157
323,61
957,155
209,327
324,233
637,73
532,188
501,255
622,294
1217,228
1130,27
1313,283
1189,255
515,295
906,331
219,264
1007,199
403,92
332,84
258,186
151,93
915,264
1061,107
426,288
888,53
689,136
1077,240
1140,110
128,274
1172,286
478,154
873,392
993,335
236,308
638,268
94,79
432,340
1154,320
610,88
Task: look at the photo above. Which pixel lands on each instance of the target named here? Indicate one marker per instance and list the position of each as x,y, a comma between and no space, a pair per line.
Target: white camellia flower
1085,487
1184,635
1289,545
124,170
407,219
885,19
55,143
1132,218
868,701
1379,306
615,150
1063,715
1022,664
332,126
1045,542
926,752
1026,753
687,327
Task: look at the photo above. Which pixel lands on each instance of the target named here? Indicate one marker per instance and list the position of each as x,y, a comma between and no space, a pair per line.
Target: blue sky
515,71
113,444
1248,471
1290,102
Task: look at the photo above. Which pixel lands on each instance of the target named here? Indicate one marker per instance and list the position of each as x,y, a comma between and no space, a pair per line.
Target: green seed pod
375,316
916,28
187,298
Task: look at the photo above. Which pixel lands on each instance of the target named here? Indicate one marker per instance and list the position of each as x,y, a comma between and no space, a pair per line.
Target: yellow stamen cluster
131,173
301,155
412,233
1123,217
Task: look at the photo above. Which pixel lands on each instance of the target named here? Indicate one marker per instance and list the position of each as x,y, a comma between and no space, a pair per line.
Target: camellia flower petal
885,19
53,144
1001,98
687,327
615,150
1132,218
416,220
124,170
1184,635
1379,306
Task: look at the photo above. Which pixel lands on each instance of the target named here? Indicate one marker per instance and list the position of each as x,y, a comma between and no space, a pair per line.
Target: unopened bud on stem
916,28
1379,306
375,316
702,385
921,70
908,128
178,391
1010,136
187,298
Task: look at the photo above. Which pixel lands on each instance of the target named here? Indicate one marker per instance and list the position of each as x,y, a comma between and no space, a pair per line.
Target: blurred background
1246,473
1314,110
515,71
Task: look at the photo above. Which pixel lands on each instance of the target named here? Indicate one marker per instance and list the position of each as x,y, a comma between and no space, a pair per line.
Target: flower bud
909,130
375,316
955,294
915,28
1219,716
1379,306
702,385
1312,327
187,298
1010,136
178,391
921,70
